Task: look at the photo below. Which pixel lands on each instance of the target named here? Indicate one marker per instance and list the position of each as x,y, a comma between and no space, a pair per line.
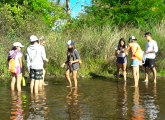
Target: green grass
96,48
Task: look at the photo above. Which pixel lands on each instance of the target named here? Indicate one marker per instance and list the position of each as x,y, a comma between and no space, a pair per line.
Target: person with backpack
35,56
16,65
150,54
121,58
133,47
72,62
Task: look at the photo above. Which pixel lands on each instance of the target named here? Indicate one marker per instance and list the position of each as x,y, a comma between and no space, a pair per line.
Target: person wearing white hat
133,46
72,63
17,55
35,56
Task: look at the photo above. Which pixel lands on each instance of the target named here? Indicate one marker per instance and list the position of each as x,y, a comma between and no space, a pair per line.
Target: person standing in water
133,46
72,63
17,55
42,42
35,56
121,60
150,54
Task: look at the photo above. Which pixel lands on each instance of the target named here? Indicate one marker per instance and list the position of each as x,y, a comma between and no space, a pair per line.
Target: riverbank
96,49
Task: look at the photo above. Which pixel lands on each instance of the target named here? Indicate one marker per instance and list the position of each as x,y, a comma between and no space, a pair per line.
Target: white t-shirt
152,45
121,54
16,59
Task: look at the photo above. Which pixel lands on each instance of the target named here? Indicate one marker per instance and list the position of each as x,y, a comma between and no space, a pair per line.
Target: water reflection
137,109
38,108
74,110
17,106
121,106
151,110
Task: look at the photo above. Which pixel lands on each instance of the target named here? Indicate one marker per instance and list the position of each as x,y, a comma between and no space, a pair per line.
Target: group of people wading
148,60
35,56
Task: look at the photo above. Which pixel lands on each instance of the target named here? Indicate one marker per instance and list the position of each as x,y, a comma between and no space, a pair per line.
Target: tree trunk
68,7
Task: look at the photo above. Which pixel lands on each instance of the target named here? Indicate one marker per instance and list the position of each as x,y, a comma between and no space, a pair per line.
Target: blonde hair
41,39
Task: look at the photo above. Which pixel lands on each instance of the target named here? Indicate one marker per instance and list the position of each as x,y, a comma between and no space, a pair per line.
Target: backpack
139,53
11,60
12,65
80,61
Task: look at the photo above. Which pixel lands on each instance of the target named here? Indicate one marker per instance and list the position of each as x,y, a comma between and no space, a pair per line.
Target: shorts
135,62
71,69
36,74
17,70
149,63
121,60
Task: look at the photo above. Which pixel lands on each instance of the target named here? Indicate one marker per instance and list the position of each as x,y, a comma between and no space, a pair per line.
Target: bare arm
127,49
20,61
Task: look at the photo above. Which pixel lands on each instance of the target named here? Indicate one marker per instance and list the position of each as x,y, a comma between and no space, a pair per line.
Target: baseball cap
33,38
132,38
70,42
17,44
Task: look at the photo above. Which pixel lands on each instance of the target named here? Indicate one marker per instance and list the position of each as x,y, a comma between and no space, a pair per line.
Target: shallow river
94,99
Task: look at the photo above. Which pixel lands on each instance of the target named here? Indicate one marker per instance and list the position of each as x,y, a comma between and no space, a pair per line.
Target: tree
125,12
21,14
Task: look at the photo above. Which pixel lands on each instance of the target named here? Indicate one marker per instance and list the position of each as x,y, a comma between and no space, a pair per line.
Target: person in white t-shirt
150,54
121,58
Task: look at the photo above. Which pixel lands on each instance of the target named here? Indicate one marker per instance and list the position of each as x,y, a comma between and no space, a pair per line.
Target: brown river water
94,99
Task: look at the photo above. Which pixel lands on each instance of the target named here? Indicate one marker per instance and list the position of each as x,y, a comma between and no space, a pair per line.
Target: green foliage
28,16
123,12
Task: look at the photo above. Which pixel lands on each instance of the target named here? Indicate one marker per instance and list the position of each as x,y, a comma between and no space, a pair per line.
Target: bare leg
146,73
118,71
124,71
36,86
32,85
154,73
68,78
19,78
13,80
135,75
74,75
44,72
40,83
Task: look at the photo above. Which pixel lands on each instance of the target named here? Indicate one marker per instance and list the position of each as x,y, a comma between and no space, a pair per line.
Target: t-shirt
121,54
17,59
152,45
133,49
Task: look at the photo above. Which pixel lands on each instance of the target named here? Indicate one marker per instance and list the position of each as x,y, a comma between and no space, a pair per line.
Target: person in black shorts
35,56
150,54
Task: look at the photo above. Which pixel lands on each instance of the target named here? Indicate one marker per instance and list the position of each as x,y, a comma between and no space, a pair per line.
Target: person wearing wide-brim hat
72,63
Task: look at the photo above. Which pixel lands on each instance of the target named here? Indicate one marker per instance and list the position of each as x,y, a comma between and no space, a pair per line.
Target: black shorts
36,74
149,63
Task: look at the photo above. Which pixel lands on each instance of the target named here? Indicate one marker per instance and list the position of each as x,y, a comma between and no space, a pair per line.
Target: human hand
118,51
145,51
47,60
63,65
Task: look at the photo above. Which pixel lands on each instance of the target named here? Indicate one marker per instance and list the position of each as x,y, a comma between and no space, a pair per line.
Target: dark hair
148,33
71,50
14,48
119,45
32,43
